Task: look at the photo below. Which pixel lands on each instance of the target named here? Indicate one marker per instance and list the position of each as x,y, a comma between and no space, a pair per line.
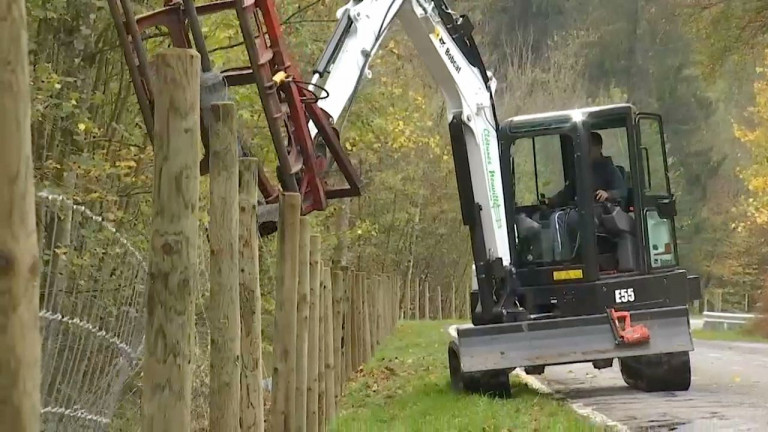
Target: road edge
580,408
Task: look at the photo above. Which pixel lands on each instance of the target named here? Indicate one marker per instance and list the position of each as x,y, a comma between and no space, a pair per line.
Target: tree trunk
251,392
411,247
224,309
20,357
284,374
302,327
341,249
426,299
167,383
313,349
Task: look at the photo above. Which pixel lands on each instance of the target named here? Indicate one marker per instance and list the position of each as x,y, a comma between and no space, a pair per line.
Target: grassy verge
728,335
406,388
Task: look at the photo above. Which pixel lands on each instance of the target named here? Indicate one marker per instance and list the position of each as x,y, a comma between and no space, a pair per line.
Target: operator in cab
609,186
608,181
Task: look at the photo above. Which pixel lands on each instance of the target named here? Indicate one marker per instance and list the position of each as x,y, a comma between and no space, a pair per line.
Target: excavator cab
561,233
599,279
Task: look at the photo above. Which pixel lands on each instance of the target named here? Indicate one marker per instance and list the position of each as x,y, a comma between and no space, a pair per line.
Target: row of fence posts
329,320
419,303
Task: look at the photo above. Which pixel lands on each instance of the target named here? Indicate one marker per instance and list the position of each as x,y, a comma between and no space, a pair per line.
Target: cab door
658,202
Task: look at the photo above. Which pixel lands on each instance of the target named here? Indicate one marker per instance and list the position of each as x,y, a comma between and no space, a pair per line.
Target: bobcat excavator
546,291
578,282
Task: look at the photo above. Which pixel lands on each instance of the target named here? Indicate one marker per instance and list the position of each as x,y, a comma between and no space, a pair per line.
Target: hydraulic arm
444,41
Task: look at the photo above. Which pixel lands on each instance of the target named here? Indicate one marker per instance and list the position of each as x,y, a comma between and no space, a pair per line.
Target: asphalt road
729,392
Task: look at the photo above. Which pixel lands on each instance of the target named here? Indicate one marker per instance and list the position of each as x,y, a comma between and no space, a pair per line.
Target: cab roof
559,119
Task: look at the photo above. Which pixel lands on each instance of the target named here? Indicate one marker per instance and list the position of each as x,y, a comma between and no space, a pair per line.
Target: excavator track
287,102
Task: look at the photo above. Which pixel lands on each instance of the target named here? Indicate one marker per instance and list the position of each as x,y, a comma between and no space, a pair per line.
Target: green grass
728,335
406,387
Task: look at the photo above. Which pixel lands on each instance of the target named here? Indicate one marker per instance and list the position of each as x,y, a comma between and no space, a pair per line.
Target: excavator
556,281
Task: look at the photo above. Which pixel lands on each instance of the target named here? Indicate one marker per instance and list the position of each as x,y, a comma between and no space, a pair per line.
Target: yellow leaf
81,126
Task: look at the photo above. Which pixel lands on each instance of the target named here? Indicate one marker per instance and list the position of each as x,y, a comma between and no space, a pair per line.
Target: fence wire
92,299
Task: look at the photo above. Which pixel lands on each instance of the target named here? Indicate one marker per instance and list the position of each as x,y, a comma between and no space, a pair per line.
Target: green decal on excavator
495,201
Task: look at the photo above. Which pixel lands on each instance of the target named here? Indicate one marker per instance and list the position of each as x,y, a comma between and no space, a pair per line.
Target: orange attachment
627,334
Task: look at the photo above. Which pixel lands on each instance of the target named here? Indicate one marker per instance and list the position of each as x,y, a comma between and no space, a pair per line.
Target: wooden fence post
20,340
375,311
468,303
386,295
348,344
400,299
440,302
393,303
313,349
357,322
167,369
302,326
321,374
426,300
417,306
330,368
378,312
224,306
338,297
398,304
251,392
453,300
366,318
284,374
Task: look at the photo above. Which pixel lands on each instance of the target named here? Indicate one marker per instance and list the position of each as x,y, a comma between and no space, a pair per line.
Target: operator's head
595,146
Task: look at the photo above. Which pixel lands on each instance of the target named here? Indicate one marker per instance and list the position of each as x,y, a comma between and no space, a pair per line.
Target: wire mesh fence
92,300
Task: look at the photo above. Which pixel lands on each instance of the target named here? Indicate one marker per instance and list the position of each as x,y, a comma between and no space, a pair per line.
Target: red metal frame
301,168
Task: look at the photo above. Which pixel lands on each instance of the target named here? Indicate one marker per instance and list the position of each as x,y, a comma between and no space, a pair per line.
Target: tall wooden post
284,374
20,341
440,302
302,328
391,299
338,297
417,306
357,321
453,300
322,415
251,392
376,311
366,317
167,380
396,304
386,306
426,300
348,342
467,304
330,367
313,349
373,312
224,310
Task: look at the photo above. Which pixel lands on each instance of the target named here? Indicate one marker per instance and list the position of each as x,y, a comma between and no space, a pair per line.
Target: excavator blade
568,340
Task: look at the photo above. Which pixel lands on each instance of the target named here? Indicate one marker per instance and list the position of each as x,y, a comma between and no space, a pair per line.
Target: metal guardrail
726,320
